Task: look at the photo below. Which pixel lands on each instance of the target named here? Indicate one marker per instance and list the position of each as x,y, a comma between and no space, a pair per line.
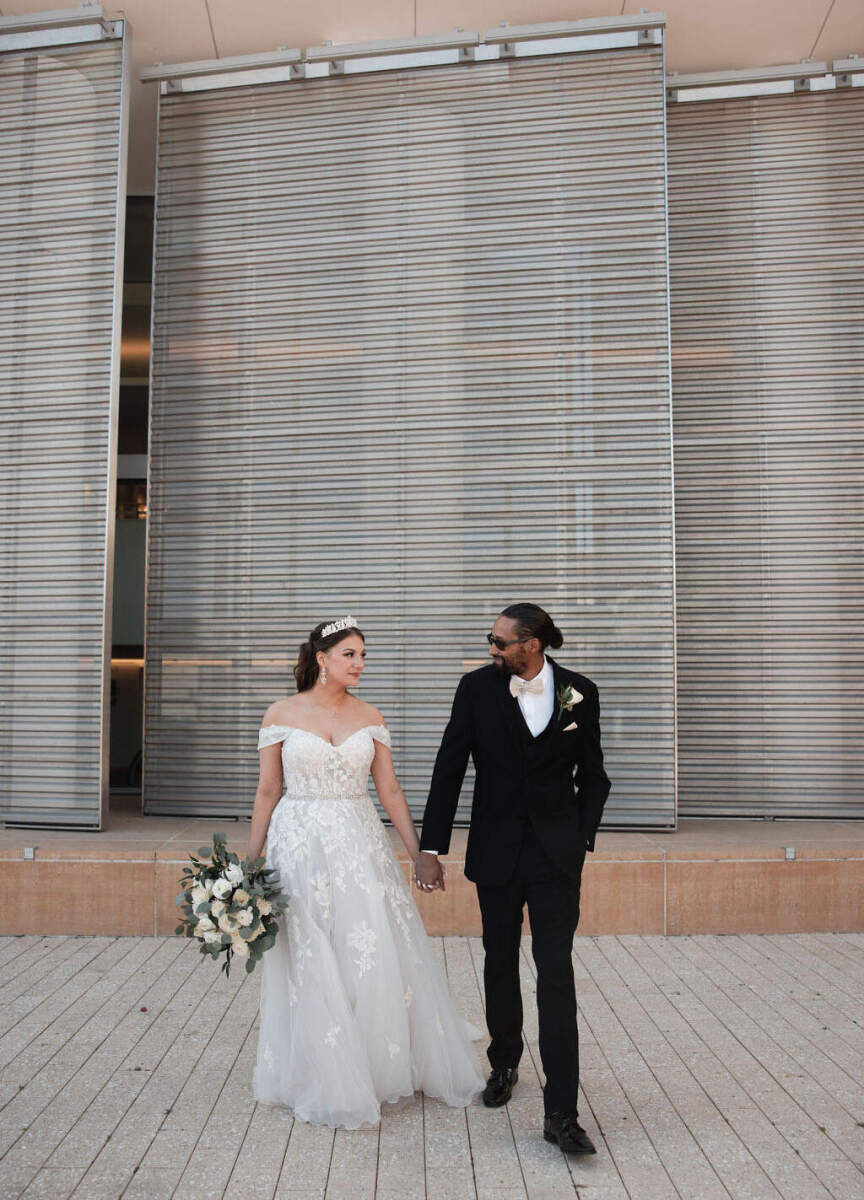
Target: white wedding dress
355,1010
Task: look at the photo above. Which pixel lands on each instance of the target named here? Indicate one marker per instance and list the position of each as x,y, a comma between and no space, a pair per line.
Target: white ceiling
702,35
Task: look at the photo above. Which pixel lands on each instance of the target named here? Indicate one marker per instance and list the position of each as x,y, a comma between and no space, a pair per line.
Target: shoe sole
550,1137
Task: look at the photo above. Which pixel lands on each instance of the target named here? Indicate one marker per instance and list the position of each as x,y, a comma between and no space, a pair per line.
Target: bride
354,1008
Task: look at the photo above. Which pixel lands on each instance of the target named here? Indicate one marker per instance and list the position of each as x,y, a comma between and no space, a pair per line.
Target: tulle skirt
355,1010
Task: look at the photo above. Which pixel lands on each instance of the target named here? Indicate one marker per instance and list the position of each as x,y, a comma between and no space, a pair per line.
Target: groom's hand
428,872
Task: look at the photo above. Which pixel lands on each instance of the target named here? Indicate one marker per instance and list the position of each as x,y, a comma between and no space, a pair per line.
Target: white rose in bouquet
264,906
199,894
227,922
217,907
222,888
244,916
234,874
212,935
204,923
241,896
240,947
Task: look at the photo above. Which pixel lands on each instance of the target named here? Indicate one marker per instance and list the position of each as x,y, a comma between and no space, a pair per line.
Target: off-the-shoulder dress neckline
321,738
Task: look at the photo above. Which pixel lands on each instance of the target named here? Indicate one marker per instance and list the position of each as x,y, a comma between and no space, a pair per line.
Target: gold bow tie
522,687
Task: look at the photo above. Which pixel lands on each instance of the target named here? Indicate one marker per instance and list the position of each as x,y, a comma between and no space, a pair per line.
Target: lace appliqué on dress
354,1008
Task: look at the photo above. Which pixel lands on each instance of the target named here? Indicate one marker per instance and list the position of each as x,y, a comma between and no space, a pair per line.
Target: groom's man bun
533,621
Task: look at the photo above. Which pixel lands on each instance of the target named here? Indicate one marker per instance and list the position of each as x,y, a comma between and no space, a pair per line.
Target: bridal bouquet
230,906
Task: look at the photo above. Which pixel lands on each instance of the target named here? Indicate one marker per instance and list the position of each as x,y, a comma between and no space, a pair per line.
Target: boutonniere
567,698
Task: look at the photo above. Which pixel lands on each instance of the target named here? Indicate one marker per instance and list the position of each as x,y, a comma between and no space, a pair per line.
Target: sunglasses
500,644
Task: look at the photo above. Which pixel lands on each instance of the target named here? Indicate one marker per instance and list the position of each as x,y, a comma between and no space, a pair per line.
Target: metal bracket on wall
505,41
762,81
848,71
58,27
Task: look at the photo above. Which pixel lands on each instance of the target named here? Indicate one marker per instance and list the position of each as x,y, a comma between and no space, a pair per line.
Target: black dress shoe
565,1131
499,1087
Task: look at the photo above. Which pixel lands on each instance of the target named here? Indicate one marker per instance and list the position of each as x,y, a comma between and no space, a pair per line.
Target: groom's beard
503,667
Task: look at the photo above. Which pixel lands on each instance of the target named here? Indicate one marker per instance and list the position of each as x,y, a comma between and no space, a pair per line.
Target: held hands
428,872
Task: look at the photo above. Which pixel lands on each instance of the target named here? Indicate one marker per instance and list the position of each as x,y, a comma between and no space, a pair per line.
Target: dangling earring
323,673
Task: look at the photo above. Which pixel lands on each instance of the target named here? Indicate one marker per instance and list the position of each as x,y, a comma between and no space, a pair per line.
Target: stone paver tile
53,1184
35,958
484,1193
354,1165
706,1061
13,947
823,947
449,1170
53,1092
42,971
26,1016
462,980
682,1158
70,1040
779,1015
641,1008
401,1156
787,1095
815,1017
636,1159
198,1100
166,1054
14,1178
496,1162
822,979
307,1161
168,1152
54,1113
716,1072
259,1163
221,1121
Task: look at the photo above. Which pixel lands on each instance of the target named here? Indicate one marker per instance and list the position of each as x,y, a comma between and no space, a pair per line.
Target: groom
533,730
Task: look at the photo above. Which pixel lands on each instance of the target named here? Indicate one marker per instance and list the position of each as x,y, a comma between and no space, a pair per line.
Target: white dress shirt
536,709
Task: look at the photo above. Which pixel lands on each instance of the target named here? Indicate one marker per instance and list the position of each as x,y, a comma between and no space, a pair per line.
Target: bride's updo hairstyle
306,671
534,622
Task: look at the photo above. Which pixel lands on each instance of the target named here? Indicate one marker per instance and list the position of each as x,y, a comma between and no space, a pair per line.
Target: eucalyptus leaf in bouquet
231,907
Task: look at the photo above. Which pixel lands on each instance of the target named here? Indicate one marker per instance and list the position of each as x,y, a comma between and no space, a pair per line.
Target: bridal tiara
338,626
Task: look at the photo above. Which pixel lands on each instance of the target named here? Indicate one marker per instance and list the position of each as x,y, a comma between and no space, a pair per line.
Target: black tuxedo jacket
555,781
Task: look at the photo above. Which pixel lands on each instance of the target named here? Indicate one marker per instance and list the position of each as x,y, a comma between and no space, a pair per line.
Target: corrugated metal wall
766,200
62,194
410,359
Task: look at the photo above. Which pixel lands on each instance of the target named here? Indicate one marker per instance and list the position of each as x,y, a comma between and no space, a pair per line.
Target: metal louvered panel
62,197
410,360
766,217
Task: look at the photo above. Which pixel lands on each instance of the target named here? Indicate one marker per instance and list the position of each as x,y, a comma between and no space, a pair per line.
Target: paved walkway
712,1067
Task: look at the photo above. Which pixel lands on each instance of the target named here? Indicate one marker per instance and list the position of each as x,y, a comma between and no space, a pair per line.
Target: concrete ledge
711,876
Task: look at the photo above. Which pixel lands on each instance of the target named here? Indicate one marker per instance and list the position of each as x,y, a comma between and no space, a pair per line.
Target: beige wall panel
62,197
410,360
766,204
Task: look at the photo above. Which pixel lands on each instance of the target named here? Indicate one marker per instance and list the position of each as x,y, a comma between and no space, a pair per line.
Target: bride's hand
428,872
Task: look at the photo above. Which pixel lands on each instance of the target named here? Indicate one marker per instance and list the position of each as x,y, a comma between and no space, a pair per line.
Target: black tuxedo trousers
552,899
